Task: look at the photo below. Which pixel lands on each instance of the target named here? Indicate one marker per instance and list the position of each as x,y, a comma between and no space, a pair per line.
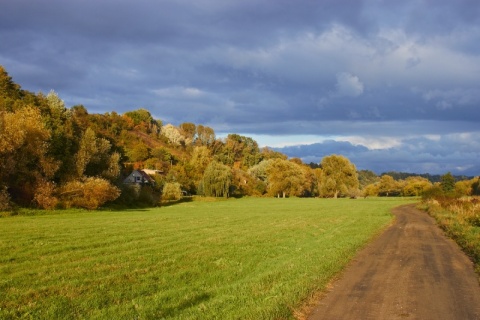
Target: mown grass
235,259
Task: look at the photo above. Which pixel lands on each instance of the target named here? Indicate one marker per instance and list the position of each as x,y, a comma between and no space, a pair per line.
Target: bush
89,193
148,196
129,195
172,191
136,196
44,195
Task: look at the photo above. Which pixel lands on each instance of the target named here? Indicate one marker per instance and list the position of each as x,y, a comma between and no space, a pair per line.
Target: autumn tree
310,184
205,135
339,176
415,186
285,178
240,151
189,131
173,134
24,159
388,186
143,121
94,158
267,153
199,161
370,190
89,193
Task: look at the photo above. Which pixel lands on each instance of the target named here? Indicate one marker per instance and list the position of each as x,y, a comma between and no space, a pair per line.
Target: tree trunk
283,194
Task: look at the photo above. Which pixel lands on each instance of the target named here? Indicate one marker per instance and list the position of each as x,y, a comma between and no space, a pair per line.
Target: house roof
144,177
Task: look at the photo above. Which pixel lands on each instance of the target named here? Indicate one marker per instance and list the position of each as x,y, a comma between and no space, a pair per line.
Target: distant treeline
430,177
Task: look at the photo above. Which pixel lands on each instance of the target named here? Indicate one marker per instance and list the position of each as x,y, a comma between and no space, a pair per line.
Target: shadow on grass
188,303
168,203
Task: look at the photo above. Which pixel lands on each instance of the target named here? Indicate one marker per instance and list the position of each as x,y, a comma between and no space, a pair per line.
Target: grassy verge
460,219
235,259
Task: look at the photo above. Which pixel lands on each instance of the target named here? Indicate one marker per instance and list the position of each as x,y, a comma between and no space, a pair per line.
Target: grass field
237,259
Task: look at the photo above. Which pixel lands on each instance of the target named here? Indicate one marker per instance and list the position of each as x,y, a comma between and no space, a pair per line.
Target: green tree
447,183
366,177
339,176
259,171
139,152
476,186
217,180
64,134
172,191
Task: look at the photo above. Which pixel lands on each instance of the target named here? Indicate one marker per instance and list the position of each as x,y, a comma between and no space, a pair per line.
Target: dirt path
412,271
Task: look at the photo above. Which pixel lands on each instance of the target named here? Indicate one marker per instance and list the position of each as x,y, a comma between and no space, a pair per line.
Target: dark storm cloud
455,153
371,69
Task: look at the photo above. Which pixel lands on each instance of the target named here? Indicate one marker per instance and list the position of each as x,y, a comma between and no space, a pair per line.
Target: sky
392,85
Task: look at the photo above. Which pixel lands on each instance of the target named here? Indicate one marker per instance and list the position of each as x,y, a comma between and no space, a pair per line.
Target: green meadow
252,258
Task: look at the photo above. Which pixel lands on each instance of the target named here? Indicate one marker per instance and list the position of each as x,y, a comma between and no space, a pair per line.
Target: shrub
129,195
44,195
147,196
137,196
172,191
89,193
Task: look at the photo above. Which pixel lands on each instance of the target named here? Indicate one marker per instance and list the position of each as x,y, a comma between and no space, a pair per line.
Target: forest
53,156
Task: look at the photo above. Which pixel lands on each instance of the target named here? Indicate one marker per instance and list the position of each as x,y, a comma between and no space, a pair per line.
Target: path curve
411,271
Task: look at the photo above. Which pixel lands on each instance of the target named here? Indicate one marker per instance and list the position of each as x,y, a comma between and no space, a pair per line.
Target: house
139,177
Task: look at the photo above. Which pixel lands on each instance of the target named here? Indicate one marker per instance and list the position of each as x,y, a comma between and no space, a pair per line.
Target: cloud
445,99
348,85
179,92
453,153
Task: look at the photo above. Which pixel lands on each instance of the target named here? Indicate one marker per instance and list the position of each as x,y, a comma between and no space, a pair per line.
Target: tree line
52,156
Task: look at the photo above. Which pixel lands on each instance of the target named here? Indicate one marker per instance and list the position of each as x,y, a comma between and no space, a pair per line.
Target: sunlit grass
235,259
